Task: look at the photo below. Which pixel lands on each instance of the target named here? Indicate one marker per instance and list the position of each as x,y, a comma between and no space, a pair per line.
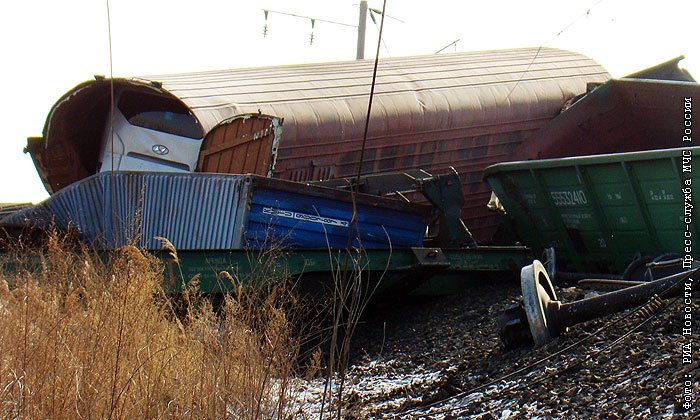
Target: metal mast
361,29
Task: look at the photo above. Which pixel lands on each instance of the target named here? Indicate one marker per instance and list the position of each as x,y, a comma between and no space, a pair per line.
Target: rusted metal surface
466,110
58,163
343,196
623,115
541,316
668,70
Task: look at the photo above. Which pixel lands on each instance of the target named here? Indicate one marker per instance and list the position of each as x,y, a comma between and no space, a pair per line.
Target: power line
539,49
374,20
379,12
448,46
266,11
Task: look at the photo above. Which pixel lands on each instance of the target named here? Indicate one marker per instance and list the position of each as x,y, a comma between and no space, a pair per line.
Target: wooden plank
253,148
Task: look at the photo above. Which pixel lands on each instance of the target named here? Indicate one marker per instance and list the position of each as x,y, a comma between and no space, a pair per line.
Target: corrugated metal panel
413,94
194,211
418,93
213,211
9,208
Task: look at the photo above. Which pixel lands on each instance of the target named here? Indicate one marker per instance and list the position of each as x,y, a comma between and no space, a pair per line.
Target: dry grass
83,338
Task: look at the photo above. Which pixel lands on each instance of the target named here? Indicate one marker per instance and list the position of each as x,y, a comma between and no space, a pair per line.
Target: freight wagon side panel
599,212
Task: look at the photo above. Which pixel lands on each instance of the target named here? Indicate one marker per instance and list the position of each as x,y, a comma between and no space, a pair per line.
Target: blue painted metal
378,227
220,211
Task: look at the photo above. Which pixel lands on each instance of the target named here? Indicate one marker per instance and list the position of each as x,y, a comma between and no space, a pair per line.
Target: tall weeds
86,336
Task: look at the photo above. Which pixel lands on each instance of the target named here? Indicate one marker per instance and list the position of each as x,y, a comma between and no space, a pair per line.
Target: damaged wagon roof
434,82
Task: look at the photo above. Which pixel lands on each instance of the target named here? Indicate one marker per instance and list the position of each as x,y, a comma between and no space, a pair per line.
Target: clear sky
49,46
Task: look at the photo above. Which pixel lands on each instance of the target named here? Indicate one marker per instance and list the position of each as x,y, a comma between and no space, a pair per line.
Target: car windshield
159,113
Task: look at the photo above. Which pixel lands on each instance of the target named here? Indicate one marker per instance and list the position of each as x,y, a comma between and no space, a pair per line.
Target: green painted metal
386,274
389,273
598,212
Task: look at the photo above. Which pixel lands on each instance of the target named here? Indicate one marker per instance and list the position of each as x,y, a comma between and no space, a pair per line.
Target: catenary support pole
361,29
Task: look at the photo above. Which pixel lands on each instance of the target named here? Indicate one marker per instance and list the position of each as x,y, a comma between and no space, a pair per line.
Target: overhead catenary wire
114,394
380,12
374,20
266,11
111,85
448,46
371,9
542,45
360,26
110,126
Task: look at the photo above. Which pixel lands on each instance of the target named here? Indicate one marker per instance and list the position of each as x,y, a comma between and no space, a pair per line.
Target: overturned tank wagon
306,122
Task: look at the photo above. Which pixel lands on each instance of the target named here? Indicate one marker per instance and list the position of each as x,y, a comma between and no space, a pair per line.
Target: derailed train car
306,122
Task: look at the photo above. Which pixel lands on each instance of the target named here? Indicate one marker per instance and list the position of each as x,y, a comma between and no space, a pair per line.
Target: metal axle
541,316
